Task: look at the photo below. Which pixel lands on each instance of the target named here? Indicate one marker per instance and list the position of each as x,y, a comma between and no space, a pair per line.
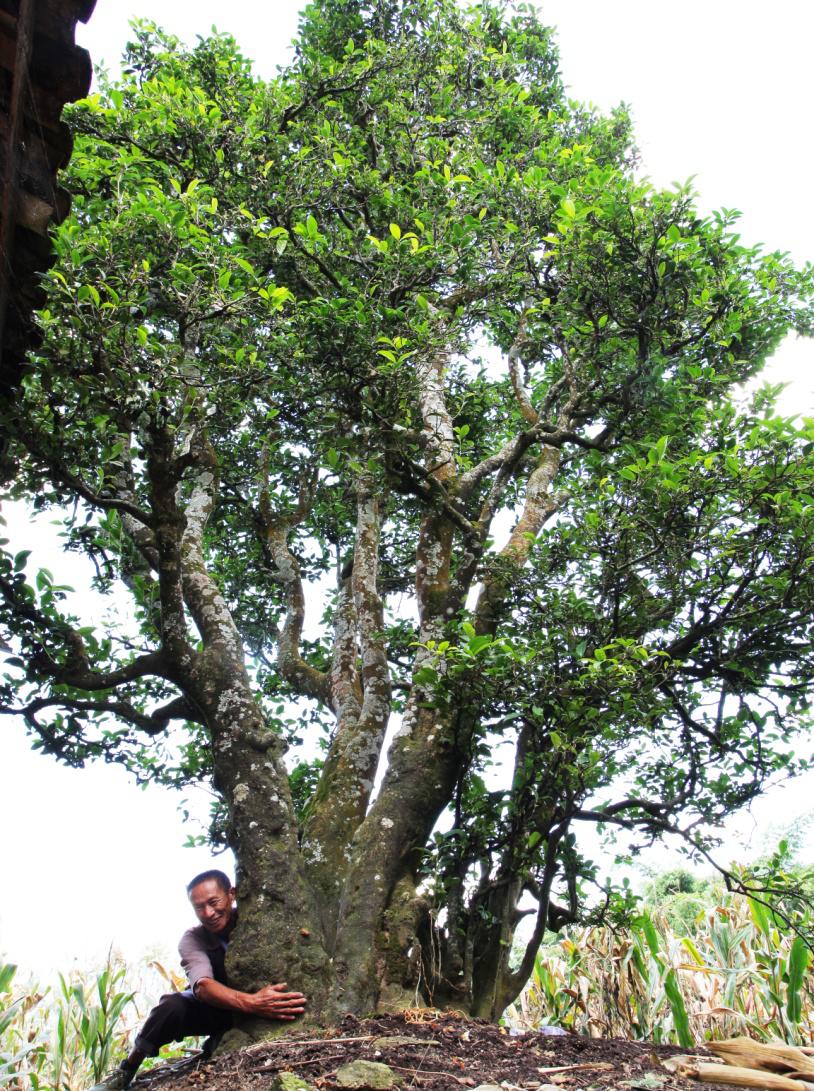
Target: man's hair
223,880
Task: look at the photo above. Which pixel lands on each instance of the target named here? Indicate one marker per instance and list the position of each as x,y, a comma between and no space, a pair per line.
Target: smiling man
209,1004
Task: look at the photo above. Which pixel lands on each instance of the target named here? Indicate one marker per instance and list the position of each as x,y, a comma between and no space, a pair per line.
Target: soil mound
432,1051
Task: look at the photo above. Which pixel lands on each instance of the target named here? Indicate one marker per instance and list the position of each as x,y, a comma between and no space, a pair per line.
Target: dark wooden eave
41,68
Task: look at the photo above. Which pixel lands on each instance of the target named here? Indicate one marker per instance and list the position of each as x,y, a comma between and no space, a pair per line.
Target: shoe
117,1080
210,1045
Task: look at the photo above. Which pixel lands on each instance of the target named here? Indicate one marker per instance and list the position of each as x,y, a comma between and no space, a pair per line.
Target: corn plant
88,1019
546,1002
738,968
64,1038
667,980
781,966
18,1045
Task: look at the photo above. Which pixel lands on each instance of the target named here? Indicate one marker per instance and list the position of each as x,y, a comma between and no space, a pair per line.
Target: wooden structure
41,68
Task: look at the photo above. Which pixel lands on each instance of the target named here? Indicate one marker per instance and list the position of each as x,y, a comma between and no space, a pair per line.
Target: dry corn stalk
767,1056
679,1062
709,1072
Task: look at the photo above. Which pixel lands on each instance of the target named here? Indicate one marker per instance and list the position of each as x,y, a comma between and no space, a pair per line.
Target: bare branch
153,723
539,506
277,527
441,462
370,612
76,671
529,413
79,675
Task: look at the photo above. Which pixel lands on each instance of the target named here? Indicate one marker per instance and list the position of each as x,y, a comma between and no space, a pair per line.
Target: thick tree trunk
278,938
337,915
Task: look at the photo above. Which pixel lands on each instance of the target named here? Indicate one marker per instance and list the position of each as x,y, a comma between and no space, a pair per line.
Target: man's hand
270,1002
273,1002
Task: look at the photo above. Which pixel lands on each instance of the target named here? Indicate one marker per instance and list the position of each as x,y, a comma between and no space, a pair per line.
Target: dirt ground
446,1051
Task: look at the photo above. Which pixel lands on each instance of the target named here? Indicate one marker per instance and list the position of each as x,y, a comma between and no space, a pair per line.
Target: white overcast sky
720,90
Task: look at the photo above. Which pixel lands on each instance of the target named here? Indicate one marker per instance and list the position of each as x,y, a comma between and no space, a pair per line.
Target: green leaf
799,959
43,579
244,265
425,676
679,1011
645,925
759,915
477,644
21,559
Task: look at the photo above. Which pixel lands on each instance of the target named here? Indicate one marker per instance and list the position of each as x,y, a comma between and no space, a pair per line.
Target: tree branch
153,723
277,527
521,394
76,671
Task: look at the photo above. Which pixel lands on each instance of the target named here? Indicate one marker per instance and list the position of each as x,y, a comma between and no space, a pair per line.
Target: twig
327,1041
571,1067
300,1064
428,1072
421,1062
313,1041
415,1075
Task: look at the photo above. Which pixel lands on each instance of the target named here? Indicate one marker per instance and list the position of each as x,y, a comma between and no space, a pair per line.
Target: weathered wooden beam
41,68
9,198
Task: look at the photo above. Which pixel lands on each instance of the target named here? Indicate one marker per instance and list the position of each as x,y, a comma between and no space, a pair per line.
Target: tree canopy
409,419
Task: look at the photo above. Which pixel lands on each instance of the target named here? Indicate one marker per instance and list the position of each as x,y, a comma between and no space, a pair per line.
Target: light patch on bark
231,704
437,420
241,793
209,610
363,750
199,504
431,562
407,724
538,507
312,851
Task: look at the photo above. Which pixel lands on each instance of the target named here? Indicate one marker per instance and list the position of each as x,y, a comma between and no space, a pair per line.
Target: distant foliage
681,897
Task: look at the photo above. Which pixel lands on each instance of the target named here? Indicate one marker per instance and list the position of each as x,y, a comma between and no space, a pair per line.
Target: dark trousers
177,1016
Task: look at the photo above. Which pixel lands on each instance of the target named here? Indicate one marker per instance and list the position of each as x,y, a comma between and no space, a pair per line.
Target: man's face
212,905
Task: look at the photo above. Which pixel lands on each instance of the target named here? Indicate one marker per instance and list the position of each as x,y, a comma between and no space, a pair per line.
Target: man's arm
270,1002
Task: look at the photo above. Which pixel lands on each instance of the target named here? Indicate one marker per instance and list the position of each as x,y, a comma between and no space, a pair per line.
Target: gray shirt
202,955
